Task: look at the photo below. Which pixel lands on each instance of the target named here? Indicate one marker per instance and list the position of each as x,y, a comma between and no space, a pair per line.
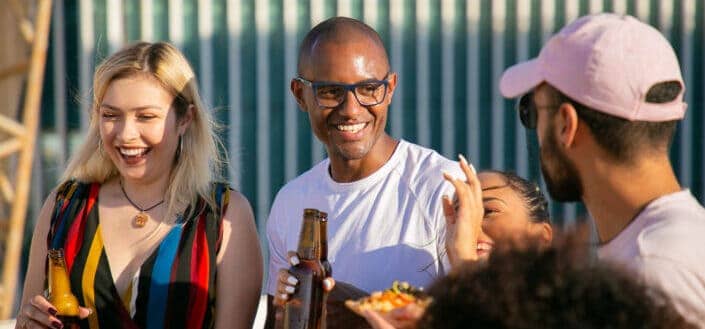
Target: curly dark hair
553,288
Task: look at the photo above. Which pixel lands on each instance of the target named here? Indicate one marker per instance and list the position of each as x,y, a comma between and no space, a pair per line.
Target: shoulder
675,231
234,205
423,167
308,182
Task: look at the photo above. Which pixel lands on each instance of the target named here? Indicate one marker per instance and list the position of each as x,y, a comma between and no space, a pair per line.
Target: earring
101,150
179,148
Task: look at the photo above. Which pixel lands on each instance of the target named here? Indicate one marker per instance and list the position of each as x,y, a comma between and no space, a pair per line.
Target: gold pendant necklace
140,220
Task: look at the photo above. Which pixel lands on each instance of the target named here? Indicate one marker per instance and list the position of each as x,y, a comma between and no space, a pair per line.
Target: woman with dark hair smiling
493,209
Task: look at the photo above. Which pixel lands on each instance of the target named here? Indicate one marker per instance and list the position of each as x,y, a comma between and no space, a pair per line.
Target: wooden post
24,166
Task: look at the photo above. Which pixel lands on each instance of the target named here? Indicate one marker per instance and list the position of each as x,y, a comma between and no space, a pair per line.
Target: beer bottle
323,216
305,308
60,295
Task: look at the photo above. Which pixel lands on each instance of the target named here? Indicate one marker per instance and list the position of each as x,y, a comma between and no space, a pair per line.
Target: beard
561,176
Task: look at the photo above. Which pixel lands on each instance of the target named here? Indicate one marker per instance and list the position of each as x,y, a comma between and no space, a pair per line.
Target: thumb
84,312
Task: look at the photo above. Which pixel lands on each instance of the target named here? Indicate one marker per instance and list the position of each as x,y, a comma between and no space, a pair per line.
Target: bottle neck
324,238
58,277
310,239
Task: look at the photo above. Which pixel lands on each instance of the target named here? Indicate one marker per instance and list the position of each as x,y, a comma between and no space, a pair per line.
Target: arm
239,267
35,309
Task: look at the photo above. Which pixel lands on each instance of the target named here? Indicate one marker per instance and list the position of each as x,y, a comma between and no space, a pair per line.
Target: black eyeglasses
528,110
332,94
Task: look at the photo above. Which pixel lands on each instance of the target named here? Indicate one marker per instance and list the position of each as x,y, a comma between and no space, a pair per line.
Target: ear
186,120
567,125
392,79
297,89
546,234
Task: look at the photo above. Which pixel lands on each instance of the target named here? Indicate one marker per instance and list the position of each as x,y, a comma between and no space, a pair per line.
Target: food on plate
399,295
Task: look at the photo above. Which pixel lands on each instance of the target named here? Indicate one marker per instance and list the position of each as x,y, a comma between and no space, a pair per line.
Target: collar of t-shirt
381,173
624,241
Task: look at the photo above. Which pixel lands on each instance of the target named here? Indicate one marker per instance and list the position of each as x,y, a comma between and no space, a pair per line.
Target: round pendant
140,219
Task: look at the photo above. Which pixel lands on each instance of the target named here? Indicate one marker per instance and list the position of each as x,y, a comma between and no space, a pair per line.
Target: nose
350,106
128,130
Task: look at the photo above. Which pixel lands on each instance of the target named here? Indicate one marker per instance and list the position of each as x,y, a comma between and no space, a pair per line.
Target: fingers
328,284
448,210
84,312
38,312
286,285
293,258
470,174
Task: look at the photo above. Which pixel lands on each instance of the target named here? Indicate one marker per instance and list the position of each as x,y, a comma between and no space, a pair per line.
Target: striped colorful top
174,288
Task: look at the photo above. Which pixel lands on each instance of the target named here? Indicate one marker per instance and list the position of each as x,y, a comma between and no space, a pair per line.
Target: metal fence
448,54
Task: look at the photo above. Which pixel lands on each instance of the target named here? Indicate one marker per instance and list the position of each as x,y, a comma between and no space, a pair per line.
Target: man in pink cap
605,95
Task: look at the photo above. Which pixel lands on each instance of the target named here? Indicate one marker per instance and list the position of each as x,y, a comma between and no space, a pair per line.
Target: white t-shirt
385,227
665,246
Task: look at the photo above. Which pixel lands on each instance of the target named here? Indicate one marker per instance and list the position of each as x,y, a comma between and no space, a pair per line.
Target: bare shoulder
239,208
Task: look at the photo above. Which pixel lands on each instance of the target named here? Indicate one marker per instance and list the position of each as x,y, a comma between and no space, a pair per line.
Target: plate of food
401,294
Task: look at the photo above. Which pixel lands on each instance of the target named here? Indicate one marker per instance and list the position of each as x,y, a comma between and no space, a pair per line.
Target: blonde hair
200,161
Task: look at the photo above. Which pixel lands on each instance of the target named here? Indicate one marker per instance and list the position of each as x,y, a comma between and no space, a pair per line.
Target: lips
133,155
484,247
350,131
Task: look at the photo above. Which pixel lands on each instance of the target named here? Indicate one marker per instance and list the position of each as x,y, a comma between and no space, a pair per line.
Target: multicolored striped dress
174,288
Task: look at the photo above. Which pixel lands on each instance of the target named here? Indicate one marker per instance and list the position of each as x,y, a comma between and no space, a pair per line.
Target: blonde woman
152,239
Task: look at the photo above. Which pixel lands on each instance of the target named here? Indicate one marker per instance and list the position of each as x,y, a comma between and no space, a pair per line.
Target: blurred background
449,55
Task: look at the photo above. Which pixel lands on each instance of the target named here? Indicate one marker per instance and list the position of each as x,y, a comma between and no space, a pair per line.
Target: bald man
382,195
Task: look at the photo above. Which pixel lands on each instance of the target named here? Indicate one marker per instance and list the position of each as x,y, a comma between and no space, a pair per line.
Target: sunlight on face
506,218
138,127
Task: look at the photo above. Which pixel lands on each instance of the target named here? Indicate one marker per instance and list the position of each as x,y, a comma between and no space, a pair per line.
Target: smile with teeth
351,128
133,152
484,246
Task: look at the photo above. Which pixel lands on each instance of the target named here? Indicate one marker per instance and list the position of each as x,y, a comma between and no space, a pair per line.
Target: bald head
340,31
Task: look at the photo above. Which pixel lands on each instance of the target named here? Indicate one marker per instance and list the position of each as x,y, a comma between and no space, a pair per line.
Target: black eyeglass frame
346,88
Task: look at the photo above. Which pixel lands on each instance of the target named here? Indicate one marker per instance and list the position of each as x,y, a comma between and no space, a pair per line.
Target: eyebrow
493,199
143,107
496,187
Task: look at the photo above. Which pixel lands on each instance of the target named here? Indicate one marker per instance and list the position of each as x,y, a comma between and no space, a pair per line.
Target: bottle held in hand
306,309
60,294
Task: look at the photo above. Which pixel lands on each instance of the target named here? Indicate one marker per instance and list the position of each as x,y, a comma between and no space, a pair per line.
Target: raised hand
463,215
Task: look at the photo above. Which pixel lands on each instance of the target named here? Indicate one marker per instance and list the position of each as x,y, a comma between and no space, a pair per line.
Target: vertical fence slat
397,44
290,53
523,24
499,14
235,91
176,23
263,108
59,66
473,107
423,61
115,26
447,76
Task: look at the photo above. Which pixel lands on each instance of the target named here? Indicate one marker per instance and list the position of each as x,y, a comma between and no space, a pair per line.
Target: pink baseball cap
607,62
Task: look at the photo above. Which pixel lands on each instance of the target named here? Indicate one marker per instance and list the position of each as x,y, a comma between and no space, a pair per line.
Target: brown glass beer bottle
305,308
323,216
60,294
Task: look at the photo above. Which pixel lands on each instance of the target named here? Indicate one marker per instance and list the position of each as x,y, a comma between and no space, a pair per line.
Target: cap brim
520,79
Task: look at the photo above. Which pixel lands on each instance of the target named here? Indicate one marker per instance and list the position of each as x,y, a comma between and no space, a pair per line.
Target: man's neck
614,195
346,170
